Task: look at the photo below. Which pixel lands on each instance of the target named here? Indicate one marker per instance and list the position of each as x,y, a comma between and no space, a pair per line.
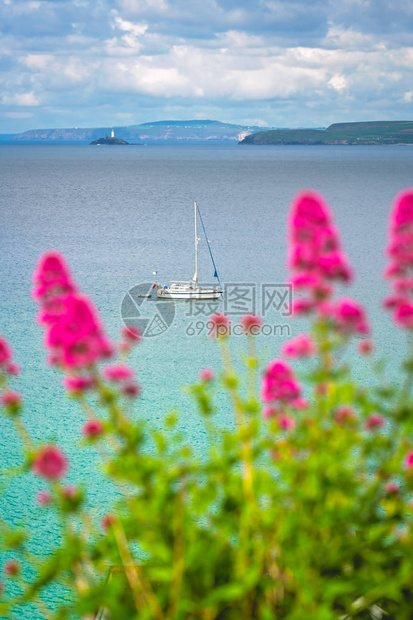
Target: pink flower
365,347
50,462
76,339
404,286
300,346
400,251
107,521
305,281
93,428
132,333
44,498
118,372
12,369
409,460
251,324
10,398
392,488
393,270
321,389
270,412
303,306
74,335
207,375
69,491
52,277
5,352
12,568
131,390
403,315
392,302
219,325
300,403
374,421
279,384
345,415
51,310
78,384
315,254
286,423
350,317
402,212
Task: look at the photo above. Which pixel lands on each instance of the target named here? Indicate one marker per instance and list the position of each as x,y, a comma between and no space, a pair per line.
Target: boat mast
196,247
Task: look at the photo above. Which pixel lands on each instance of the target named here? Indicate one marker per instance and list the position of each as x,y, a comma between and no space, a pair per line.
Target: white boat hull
196,293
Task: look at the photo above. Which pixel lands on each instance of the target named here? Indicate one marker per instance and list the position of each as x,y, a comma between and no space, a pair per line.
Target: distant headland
376,132
210,131
159,132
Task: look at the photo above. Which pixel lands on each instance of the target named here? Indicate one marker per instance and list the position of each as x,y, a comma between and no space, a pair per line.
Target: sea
124,219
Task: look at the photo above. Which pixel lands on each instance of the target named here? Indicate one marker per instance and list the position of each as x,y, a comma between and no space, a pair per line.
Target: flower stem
142,592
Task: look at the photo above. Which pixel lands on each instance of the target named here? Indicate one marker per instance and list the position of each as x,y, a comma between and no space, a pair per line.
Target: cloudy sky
283,63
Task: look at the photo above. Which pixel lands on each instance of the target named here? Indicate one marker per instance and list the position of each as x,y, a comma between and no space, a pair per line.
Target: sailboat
192,290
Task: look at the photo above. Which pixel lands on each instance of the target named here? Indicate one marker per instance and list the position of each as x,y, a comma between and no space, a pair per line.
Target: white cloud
235,38
255,122
338,82
38,61
21,99
203,55
135,29
21,8
347,38
140,6
18,115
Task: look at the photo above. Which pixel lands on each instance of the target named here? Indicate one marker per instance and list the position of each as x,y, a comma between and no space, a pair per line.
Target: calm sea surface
118,214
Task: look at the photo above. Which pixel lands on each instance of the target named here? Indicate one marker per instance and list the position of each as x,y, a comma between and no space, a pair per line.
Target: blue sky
89,63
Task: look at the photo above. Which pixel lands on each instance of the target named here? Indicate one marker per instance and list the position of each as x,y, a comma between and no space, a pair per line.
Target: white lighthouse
112,135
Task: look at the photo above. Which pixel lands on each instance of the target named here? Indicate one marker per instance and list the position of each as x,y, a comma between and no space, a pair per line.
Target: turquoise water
119,214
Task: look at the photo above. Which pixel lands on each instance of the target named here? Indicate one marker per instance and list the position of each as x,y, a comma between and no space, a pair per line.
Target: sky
295,63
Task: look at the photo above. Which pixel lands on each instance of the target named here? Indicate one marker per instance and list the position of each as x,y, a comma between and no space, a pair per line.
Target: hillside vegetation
382,132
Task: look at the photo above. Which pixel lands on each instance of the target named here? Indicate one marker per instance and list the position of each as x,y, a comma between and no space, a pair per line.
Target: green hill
380,132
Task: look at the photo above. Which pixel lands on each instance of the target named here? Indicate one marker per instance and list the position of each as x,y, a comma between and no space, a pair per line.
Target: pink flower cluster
317,261
52,278
74,334
316,258
11,398
348,316
251,324
50,462
93,428
7,366
400,252
206,375
219,325
374,422
131,335
124,376
300,346
280,389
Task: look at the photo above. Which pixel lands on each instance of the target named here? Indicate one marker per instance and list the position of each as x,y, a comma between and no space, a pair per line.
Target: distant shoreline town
192,131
